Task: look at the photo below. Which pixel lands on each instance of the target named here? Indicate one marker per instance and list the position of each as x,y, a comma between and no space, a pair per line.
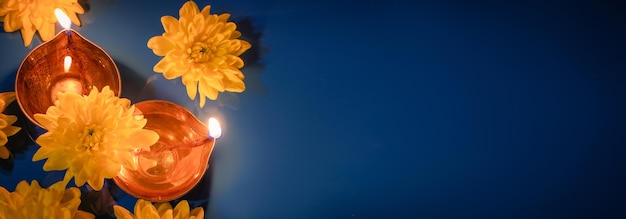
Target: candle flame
63,19
67,63
215,131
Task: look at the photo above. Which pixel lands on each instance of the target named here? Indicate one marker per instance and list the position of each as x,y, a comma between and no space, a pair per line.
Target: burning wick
215,131
67,63
64,20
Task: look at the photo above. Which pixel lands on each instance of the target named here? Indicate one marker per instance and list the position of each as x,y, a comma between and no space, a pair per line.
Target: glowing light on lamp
63,19
67,63
215,131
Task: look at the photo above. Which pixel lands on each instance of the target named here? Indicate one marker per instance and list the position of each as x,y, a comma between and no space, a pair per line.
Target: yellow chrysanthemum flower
30,16
202,48
91,136
145,210
30,201
6,123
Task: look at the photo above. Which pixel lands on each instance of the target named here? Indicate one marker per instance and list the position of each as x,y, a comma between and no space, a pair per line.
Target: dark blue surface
383,109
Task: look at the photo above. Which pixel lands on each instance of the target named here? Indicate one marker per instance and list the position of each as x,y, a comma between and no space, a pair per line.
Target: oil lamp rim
173,104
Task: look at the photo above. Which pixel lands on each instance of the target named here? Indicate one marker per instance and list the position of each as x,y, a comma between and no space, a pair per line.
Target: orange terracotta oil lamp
67,63
177,161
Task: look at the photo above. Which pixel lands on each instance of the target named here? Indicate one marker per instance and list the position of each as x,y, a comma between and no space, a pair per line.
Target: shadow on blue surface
253,58
131,81
19,143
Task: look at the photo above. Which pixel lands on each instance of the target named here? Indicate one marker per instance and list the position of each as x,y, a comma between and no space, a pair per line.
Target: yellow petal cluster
30,201
145,210
204,49
6,123
30,16
92,136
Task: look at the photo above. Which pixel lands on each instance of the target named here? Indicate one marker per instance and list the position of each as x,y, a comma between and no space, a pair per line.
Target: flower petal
83,215
12,22
163,207
7,97
233,83
8,119
206,11
121,213
197,212
3,138
160,45
27,34
189,9
223,17
4,152
46,31
143,139
55,164
47,122
3,122
42,153
23,187
192,89
182,209
96,183
170,24
244,47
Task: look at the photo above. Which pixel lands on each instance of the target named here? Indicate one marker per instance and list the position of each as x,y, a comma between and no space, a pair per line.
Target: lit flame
215,131
67,63
63,19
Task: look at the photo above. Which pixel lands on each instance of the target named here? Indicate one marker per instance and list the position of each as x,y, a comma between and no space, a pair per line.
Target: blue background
387,109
